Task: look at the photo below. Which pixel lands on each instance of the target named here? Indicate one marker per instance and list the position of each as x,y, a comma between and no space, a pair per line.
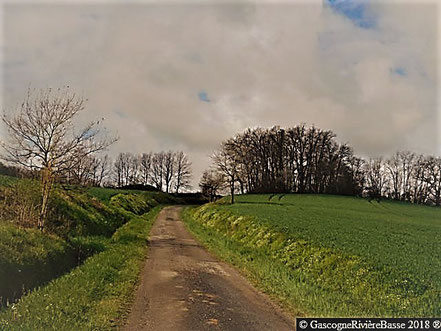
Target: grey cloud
261,65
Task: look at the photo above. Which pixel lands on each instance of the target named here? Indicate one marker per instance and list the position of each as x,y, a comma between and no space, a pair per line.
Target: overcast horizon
185,76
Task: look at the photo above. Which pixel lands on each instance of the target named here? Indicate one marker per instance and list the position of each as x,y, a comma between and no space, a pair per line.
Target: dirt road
184,288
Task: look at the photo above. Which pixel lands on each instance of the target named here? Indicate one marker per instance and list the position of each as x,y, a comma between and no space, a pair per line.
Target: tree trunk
178,185
242,188
46,187
232,190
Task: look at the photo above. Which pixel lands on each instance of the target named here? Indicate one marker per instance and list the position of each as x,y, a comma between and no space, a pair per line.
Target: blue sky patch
355,10
399,71
203,96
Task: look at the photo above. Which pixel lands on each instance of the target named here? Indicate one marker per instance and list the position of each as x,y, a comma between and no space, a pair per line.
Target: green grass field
399,235
331,255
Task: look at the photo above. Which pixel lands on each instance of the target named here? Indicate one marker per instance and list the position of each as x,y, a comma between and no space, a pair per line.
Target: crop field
403,236
341,256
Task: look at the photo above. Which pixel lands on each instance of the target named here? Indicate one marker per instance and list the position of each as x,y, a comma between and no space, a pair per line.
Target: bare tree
394,171
146,167
118,167
168,173
83,171
227,164
158,169
89,170
42,137
376,178
408,170
355,166
182,171
211,182
102,170
122,169
419,185
133,169
433,179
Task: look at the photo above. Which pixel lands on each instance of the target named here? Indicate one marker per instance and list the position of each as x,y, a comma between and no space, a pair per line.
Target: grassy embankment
81,226
328,255
93,296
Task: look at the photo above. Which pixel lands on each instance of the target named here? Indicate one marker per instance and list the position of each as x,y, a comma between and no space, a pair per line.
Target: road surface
183,287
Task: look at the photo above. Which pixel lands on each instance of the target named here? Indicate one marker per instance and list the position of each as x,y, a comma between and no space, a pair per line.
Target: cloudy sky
186,75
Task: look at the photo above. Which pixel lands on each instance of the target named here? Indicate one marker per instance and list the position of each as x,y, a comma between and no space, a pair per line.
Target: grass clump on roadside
311,252
93,296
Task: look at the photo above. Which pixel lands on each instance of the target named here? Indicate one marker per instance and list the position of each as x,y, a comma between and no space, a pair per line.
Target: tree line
166,171
306,159
405,176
